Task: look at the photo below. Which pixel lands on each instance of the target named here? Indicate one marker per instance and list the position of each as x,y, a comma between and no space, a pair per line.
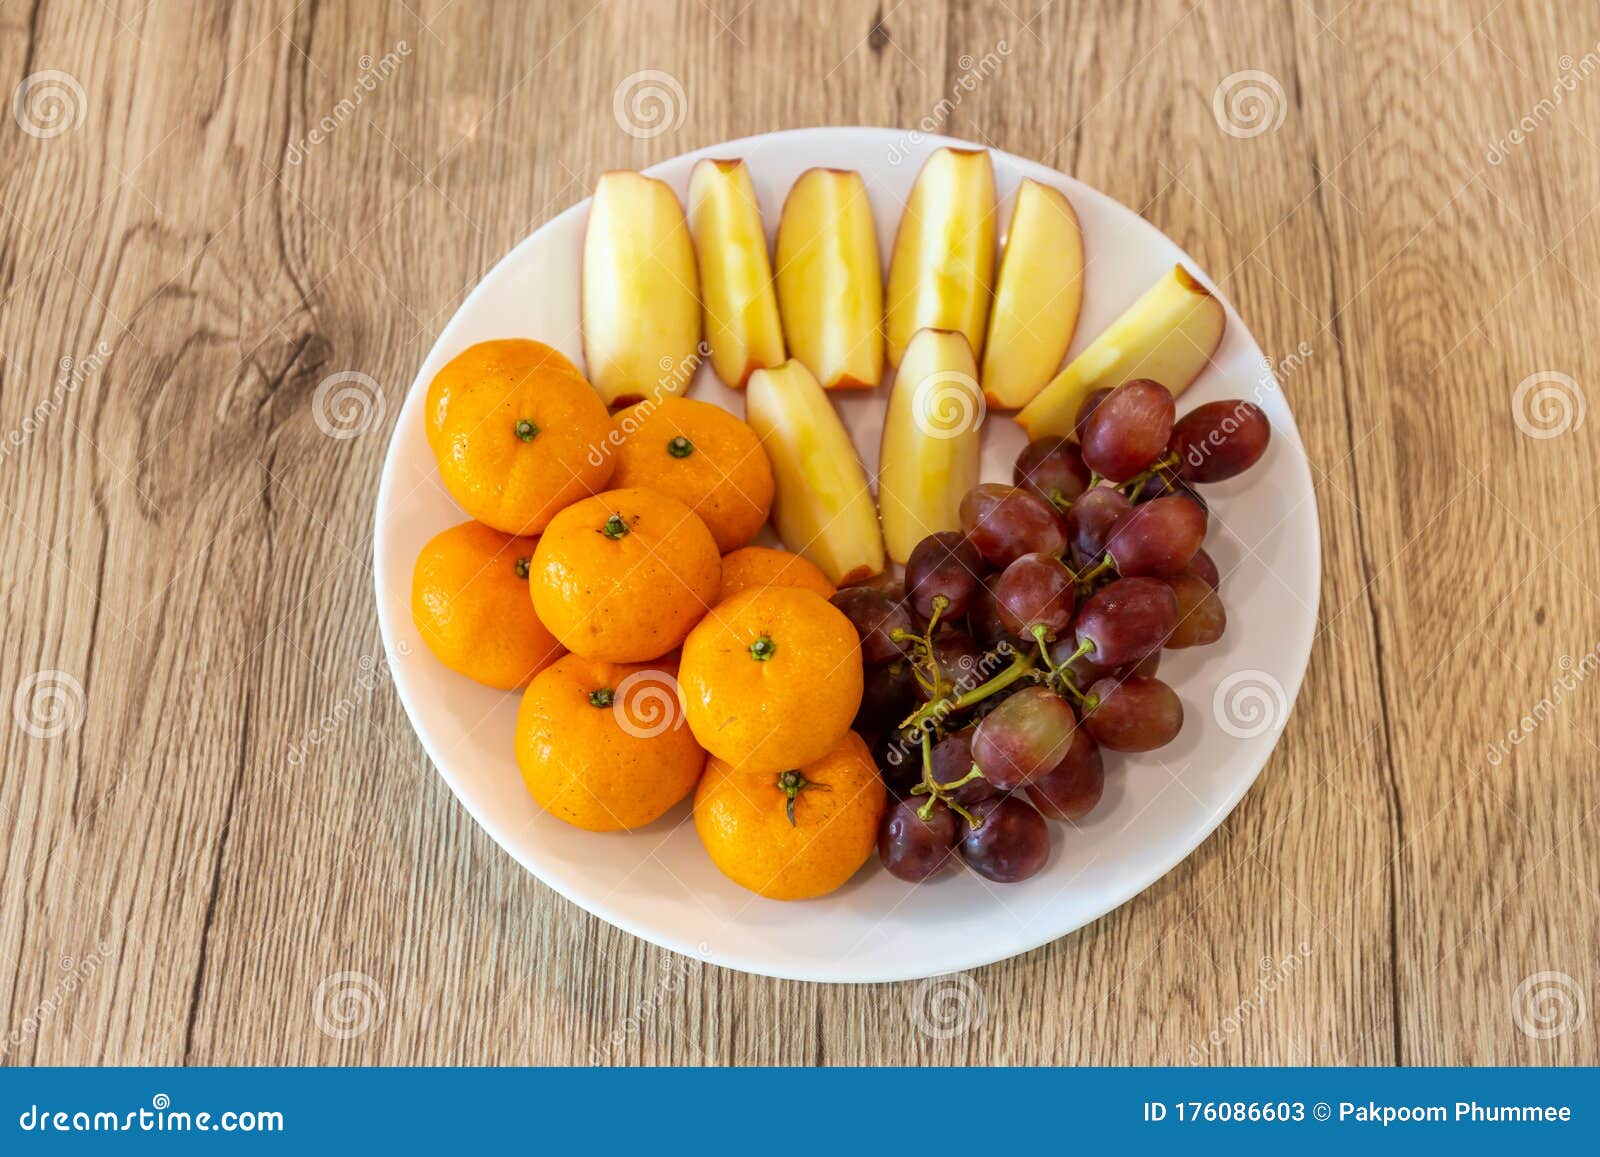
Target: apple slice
741,310
640,293
1169,335
929,456
943,264
823,508
1037,295
830,285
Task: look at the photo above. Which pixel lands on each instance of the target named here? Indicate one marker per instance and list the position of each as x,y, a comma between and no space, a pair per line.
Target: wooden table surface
1414,879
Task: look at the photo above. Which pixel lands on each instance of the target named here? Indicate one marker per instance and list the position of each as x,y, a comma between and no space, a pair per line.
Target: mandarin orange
624,575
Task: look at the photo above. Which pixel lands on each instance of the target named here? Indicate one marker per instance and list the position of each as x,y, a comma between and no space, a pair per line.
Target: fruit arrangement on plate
933,666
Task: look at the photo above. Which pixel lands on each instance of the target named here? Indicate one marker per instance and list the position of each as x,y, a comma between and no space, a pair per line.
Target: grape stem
1096,570
1134,486
1021,667
1068,682
936,791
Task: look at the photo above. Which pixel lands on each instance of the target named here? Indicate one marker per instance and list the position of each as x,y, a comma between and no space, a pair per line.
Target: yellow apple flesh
1037,295
830,284
930,451
741,309
1168,335
640,296
823,508
943,264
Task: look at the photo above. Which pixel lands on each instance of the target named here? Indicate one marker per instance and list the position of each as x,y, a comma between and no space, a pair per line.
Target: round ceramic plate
657,882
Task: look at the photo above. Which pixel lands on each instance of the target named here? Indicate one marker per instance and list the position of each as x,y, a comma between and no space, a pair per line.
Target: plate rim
978,958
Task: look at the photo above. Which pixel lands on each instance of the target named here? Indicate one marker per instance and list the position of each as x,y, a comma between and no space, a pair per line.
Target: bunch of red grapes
1024,644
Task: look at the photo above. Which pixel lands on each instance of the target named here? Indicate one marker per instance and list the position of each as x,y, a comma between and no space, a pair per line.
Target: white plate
658,883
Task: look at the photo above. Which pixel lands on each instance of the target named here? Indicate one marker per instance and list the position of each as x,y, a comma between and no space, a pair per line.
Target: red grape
1086,408
1006,522
888,695
1036,591
1129,429
1220,439
983,619
952,760
1090,520
1070,789
899,759
1157,538
960,662
916,849
1011,843
1023,738
1127,620
943,564
1085,670
1202,567
1053,469
1201,616
1137,714
875,616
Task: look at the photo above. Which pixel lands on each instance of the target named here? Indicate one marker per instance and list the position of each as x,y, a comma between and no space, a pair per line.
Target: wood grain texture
234,814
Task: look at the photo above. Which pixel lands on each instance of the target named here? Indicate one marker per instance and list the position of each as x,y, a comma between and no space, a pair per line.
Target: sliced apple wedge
943,263
741,309
823,507
830,284
930,450
1169,335
1037,294
641,292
